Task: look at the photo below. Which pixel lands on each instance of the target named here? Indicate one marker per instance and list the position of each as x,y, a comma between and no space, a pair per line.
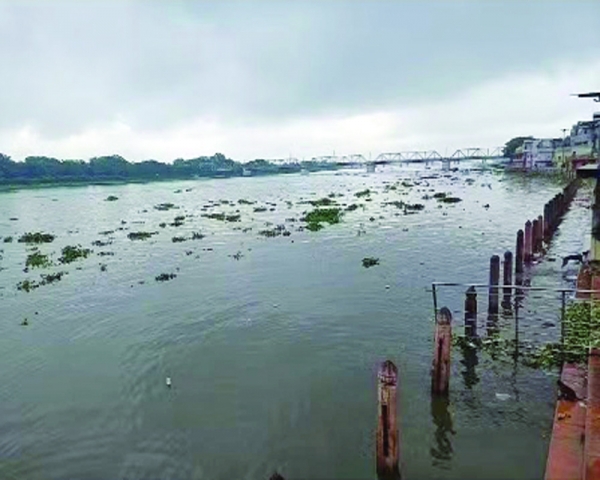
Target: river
272,344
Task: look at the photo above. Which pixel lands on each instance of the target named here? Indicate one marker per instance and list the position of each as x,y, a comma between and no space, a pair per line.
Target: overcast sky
168,79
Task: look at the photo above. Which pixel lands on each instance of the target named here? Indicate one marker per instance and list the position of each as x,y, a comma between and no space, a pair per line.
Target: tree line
39,169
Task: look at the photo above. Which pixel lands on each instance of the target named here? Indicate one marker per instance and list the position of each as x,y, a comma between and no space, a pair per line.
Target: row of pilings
531,243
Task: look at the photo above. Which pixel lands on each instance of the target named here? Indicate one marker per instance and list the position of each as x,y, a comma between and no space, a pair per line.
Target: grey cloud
66,66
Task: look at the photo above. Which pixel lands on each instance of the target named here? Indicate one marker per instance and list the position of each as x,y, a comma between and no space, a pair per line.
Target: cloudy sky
269,79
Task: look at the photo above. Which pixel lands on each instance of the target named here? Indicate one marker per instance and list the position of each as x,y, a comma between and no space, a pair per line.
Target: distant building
581,147
535,154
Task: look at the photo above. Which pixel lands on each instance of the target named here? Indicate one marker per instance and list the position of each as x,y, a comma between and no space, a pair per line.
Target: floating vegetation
315,218
323,202
178,239
37,237
368,262
100,243
407,207
72,253
27,285
13,219
103,267
197,236
177,191
106,232
140,235
351,207
581,331
237,256
52,278
106,254
450,200
243,201
289,203
8,239
260,209
363,193
111,198
407,184
440,195
274,232
165,277
178,221
165,206
162,224
38,260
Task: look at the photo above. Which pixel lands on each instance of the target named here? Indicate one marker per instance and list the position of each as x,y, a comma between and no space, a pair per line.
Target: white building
536,154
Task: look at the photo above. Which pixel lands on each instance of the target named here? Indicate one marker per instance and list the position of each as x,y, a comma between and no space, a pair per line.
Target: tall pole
563,150
595,243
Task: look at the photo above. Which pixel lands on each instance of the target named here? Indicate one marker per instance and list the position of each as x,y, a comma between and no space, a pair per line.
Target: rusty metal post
527,253
519,259
387,427
440,372
471,312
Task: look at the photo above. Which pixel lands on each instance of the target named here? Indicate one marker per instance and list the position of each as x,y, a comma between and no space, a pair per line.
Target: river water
272,352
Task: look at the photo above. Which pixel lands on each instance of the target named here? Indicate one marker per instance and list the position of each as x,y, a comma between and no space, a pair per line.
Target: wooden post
540,235
519,258
471,312
387,428
547,222
276,476
534,236
508,265
527,246
494,281
440,372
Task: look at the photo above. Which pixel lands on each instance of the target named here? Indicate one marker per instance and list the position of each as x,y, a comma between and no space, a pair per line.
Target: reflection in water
470,361
441,451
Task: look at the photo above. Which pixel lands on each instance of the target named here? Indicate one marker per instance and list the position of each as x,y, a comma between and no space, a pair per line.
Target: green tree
511,146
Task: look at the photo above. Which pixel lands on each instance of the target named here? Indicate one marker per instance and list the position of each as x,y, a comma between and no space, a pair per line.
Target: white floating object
275,305
168,382
387,287
502,396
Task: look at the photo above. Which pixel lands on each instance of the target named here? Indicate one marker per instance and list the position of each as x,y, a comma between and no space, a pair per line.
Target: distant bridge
413,156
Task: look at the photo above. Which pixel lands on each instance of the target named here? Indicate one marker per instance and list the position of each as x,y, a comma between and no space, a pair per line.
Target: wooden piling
508,266
471,312
440,372
519,258
527,250
540,235
494,281
276,476
387,427
547,222
534,236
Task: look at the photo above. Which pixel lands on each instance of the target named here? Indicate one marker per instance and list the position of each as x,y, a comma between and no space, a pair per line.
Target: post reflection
441,450
469,361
